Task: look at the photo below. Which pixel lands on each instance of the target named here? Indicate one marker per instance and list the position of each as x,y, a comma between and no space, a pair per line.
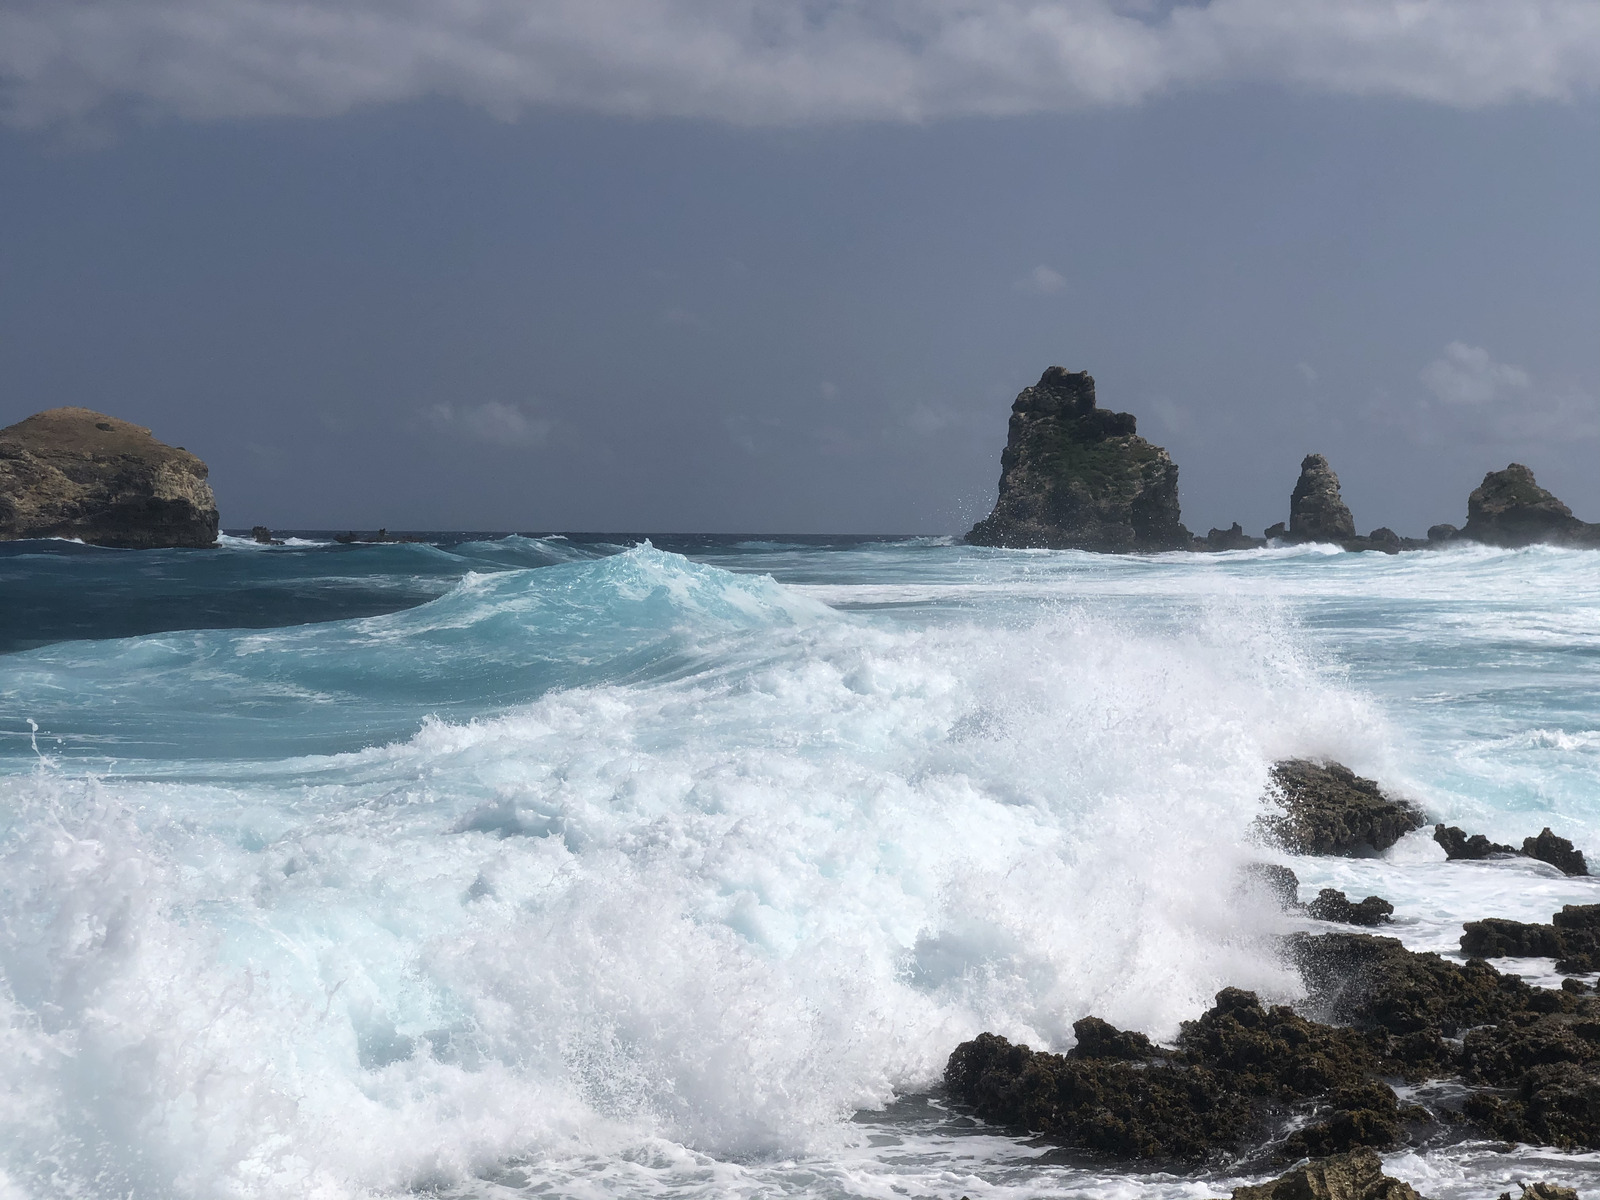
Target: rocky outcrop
1076,477
1333,905
1328,809
1357,1175
1547,848
76,473
1572,938
1509,508
1556,851
1317,513
1457,845
1232,538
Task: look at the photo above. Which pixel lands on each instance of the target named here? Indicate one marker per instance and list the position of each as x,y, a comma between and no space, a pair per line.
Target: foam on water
686,867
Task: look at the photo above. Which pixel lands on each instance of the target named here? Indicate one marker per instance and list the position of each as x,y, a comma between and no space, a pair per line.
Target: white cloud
1042,281
493,423
768,61
1466,374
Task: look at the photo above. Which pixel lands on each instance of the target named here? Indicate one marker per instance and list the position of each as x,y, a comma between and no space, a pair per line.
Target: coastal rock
1357,1175
1543,1191
1510,509
1232,538
1438,534
1076,477
76,473
1572,938
1333,905
1328,809
1556,851
1317,512
1457,845
1272,881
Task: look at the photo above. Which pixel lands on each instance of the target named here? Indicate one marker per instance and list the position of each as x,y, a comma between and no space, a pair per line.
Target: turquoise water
542,866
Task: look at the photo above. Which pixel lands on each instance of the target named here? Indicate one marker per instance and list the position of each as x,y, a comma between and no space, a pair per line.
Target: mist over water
573,869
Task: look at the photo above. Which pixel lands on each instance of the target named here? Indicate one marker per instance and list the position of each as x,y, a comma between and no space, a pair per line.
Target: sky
749,266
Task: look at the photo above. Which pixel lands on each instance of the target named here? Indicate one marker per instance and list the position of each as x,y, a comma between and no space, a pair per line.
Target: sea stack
76,473
1076,477
1317,513
1510,509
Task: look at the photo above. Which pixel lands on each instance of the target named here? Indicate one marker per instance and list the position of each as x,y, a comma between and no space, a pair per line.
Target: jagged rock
1328,809
1076,477
1572,938
1232,538
1556,851
264,537
1237,1072
1457,845
76,473
1273,881
1333,905
1357,1175
1278,532
1443,533
1543,1191
1317,513
1510,509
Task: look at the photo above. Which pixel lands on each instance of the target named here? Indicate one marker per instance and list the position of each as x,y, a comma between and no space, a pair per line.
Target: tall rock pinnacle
1317,513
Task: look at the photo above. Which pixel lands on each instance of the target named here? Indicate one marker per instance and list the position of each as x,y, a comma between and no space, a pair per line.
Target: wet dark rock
1443,533
1077,477
1509,508
1556,851
1232,538
1275,881
1556,1104
1357,1175
1572,938
76,473
1328,809
1317,512
1278,532
1457,845
263,535
1332,905
1237,1073
1543,1191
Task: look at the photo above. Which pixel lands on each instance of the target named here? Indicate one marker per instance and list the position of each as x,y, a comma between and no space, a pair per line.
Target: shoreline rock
1077,477
77,473
1317,512
1558,852
1357,1175
1510,509
1329,809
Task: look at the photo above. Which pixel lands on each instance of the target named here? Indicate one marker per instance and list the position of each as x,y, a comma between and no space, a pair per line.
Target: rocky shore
1074,476
1473,1052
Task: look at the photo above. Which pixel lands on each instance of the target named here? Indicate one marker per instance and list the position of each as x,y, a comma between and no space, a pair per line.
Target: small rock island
77,473
1077,477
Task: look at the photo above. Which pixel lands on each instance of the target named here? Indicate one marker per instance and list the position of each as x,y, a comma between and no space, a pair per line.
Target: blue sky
744,266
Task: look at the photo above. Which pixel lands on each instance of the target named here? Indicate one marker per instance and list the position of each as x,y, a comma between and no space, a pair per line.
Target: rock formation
1457,845
1357,1175
1333,905
75,473
1328,809
1232,538
1510,509
1076,477
1317,512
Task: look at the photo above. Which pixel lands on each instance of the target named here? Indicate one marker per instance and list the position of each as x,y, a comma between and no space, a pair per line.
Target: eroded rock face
1317,512
1457,845
1076,477
76,473
1509,508
1329,809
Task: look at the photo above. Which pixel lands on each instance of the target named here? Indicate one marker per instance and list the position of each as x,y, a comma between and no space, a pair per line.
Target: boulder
1509,508
76,473
1076,477
1556,851
1438,534
1327,809
1357,1175
1317,513
1334,905
1457,845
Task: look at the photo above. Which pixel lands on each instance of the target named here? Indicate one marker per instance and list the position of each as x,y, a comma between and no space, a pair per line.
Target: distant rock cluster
1077,477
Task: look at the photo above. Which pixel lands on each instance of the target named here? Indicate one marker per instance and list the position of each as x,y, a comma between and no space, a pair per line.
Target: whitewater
500,866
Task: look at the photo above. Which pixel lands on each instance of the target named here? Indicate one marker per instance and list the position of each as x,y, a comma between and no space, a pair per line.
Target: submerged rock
1317,513
76,473
1076,477
1556,851
1357,1175
1457,845
1333,905
1328,809
1509,508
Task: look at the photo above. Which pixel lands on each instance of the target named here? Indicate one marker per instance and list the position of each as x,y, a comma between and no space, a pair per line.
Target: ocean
499,866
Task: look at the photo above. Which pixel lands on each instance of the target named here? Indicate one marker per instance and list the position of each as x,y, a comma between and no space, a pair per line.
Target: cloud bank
768,62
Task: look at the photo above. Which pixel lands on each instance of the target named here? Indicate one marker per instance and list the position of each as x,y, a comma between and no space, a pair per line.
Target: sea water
506,866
